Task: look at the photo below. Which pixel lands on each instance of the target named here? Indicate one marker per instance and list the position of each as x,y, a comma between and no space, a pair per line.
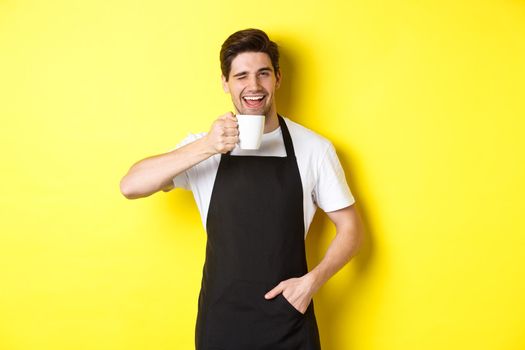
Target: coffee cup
251,129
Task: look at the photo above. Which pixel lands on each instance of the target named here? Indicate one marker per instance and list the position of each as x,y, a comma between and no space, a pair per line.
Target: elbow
133,188
359,239
127,190
356,238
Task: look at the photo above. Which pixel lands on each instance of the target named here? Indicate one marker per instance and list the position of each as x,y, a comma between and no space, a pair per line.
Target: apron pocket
289,305
241,318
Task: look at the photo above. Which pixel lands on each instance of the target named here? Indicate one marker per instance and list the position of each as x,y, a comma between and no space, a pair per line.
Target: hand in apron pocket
242,313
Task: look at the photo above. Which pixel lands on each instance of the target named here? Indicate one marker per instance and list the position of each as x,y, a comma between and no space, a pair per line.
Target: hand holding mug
223,134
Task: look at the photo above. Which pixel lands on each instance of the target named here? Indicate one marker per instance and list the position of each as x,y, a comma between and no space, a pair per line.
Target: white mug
251,129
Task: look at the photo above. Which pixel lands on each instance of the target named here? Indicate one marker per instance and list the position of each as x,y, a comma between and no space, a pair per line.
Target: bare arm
156,173
347,241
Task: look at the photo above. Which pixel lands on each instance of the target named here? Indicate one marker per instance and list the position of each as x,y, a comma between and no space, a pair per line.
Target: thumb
274,292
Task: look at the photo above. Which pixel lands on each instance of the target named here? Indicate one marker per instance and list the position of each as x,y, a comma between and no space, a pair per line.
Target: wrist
207,146
315,279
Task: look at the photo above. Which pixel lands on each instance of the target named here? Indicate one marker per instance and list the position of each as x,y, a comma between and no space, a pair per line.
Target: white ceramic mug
251,129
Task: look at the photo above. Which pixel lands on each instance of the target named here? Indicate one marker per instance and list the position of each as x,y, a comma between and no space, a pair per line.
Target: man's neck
271,123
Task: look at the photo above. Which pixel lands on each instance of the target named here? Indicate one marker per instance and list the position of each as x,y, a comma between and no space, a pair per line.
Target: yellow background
422,99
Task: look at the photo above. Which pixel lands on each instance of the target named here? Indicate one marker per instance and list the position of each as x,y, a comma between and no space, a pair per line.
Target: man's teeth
253,98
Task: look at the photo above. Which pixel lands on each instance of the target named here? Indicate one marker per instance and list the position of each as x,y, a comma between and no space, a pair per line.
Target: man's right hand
223,134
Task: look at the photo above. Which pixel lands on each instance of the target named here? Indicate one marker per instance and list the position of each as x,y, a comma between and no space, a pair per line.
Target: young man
256,206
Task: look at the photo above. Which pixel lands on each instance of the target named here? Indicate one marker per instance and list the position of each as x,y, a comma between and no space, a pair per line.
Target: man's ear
278,77
225,86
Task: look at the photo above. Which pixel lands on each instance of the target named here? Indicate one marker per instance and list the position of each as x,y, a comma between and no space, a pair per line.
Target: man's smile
254,101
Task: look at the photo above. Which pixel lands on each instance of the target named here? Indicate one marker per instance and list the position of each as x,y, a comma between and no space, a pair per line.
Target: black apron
255,229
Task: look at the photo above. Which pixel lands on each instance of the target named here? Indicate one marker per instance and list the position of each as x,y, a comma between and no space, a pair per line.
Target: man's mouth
254,101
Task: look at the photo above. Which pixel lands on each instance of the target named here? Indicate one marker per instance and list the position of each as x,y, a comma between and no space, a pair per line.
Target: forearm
155,173
341,250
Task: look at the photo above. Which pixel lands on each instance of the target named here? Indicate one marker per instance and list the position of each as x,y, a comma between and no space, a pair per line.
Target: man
256,206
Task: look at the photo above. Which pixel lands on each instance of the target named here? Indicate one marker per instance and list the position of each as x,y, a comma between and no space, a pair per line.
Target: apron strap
288,144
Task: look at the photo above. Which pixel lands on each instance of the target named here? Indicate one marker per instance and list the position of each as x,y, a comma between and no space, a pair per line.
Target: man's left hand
298,291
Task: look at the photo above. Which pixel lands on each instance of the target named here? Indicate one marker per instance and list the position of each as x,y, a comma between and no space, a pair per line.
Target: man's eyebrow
240,73
263,69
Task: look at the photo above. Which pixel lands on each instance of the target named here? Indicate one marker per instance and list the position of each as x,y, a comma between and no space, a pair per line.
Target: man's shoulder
189,139
193,137
307,137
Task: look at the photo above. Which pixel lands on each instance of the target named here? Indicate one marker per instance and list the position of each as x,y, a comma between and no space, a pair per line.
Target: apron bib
255,229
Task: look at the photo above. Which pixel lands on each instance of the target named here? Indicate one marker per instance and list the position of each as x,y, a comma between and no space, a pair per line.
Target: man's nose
253,82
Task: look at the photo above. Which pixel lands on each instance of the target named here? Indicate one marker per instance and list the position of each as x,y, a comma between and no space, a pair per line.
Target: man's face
252,83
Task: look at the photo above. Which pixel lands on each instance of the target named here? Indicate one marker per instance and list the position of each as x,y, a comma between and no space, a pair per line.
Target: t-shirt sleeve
182,180
331,192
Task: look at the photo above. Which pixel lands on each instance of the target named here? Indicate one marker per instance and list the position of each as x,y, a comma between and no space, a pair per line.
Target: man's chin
253,111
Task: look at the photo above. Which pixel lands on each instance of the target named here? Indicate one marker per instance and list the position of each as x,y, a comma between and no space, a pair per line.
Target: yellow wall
422,99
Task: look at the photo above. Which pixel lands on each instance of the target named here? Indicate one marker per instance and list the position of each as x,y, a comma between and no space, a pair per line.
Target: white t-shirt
322,177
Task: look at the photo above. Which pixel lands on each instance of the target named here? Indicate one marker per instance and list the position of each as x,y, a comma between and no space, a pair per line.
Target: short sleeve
182,180
331,192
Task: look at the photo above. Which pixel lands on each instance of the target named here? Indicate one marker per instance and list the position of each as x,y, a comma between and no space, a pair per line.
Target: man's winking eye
265,72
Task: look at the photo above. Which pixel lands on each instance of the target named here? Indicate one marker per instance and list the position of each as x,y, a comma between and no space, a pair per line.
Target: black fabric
255,229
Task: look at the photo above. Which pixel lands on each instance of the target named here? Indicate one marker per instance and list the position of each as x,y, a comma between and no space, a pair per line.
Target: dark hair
247,40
